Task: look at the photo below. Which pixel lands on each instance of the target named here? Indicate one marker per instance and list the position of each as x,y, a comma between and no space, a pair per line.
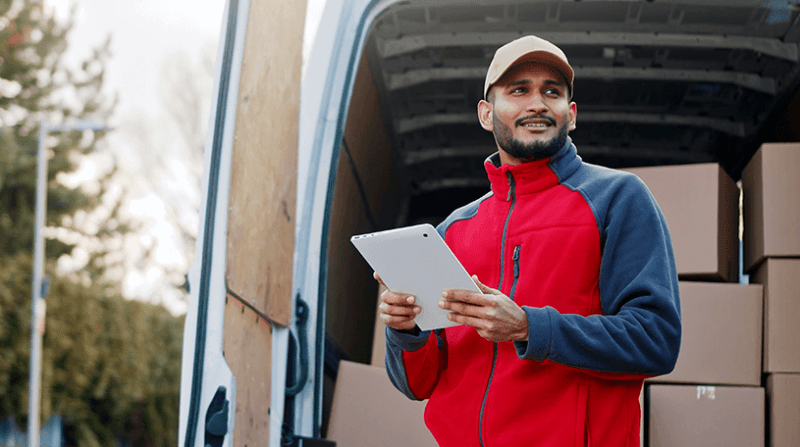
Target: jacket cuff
405,341
539,340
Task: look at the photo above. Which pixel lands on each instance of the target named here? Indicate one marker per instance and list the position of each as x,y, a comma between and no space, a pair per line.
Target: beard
535,150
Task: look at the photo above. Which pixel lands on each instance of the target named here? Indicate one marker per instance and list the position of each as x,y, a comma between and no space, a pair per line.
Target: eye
552,91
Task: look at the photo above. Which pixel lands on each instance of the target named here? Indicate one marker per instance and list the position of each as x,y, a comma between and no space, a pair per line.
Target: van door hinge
217,419
301,311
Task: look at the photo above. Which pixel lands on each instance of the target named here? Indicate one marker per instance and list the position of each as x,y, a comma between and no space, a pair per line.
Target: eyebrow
556,83
519,82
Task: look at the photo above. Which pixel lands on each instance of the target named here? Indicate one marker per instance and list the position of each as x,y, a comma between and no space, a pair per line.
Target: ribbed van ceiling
656,82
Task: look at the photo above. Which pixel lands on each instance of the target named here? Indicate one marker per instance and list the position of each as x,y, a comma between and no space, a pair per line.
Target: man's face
529,112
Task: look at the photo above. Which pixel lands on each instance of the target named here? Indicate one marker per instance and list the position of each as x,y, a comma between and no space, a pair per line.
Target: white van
381,130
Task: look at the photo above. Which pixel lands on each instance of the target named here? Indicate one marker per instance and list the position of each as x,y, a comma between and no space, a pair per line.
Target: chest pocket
557,267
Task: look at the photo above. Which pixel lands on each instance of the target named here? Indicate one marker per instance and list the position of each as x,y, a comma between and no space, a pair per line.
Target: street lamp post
39,289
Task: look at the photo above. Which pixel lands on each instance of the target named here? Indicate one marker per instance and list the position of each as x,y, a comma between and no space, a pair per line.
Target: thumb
484,288
378,278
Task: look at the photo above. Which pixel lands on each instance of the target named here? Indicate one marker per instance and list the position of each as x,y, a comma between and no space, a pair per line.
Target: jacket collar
533,176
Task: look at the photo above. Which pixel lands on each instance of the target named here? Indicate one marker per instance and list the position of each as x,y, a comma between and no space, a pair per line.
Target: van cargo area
656,83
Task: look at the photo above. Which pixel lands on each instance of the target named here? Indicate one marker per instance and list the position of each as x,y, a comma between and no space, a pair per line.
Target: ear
573,115
485,115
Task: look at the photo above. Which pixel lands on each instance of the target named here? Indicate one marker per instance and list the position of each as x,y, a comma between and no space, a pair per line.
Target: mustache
532,117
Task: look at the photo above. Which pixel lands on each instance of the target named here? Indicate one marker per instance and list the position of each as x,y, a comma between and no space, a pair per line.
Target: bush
110,367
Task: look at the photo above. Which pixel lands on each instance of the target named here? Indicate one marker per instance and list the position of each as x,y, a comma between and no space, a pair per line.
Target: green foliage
36,85
110,367
15,291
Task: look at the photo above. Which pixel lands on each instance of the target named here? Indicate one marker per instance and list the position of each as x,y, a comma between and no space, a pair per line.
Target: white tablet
415,260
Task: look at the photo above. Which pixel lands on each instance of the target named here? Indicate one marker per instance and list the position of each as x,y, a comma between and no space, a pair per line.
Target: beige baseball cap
527,49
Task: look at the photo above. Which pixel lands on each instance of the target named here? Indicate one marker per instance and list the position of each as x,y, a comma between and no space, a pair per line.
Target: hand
495,316
397,310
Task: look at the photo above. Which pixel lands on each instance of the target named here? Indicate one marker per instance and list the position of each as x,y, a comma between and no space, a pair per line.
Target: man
580,291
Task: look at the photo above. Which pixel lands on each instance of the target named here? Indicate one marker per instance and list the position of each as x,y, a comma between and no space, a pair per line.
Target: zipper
515,258
486,394
512,197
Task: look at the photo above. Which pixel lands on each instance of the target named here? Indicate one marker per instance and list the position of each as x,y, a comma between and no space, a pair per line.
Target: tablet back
415,260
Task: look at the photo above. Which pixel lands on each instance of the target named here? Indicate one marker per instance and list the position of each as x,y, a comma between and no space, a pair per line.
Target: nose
536,103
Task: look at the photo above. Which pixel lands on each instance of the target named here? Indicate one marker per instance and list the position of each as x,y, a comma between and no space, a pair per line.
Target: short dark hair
491,94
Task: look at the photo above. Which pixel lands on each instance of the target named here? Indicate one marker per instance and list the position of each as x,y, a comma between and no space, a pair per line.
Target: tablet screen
415,260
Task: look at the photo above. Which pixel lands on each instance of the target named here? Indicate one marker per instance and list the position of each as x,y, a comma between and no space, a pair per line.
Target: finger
477,323
407,315
484,288
397,299
484,328
378,278
388,309
466,296
462,308
400,323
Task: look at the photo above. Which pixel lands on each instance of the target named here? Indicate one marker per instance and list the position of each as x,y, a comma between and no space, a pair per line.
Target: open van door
237,329
254,339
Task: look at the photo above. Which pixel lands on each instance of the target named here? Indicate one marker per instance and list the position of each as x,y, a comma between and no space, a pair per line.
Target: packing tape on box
706,391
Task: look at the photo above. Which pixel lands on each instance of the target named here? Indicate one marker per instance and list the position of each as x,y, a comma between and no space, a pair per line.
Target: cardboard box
379,335
771,204
367,410
783,402
781,280
721,335
641,418
705,416
701,205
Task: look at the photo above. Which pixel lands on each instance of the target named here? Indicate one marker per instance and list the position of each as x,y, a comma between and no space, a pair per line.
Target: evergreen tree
36,85
111,367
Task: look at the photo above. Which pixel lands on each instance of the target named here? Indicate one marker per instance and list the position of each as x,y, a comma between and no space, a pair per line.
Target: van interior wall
351,291
367,195
785,127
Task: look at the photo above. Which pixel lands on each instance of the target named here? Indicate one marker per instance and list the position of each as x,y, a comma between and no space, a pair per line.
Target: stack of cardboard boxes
714,396
771,209
720,393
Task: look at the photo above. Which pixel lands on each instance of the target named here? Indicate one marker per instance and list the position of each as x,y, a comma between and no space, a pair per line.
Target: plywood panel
247,346
379,335
261,213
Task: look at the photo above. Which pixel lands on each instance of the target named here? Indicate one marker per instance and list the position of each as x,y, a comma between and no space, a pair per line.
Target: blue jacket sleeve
396,343
640,329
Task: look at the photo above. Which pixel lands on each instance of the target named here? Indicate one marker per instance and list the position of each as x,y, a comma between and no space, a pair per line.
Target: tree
169,170
110,366
35,85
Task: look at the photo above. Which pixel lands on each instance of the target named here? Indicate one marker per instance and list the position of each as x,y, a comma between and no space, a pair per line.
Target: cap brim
539,57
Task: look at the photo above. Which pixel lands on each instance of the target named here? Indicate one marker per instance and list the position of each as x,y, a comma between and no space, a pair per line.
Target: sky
159,170
143,34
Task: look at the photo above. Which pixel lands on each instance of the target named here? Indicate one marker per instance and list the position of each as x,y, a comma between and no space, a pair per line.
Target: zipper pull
515,257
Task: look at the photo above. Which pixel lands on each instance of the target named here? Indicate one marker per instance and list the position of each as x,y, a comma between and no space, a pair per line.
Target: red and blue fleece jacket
586,253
